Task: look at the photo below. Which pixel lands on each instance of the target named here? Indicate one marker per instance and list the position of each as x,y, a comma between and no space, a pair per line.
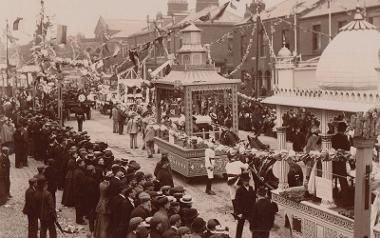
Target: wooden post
281,168
362,210
281,138
235,113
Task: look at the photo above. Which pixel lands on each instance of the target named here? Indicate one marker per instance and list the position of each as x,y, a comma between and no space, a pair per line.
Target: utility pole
258,24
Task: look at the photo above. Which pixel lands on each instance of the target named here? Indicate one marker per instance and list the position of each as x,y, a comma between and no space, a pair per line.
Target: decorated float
346,88
188,100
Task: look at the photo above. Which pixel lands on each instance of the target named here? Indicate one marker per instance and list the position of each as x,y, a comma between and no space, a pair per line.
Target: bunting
221,11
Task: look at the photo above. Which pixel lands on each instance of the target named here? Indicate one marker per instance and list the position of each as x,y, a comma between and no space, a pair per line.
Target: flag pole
330,31
7,56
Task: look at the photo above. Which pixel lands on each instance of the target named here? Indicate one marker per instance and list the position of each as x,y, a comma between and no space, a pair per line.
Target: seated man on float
340,142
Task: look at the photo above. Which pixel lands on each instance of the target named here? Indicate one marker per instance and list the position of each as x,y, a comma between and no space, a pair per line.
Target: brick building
308,40
220,53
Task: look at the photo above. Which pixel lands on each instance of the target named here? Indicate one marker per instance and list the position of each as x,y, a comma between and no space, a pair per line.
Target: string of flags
247,52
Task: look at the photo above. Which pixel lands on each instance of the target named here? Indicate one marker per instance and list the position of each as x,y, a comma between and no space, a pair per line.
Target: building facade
305,34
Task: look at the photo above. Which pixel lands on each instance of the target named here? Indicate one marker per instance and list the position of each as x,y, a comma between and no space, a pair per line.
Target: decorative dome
284,52
350,59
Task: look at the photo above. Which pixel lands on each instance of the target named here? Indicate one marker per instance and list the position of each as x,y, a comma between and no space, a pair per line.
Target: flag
116,50
61,34
157,28
221,11
206,17
106,37
16,23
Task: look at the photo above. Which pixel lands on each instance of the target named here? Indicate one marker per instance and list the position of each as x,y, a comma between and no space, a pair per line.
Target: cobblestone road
13,224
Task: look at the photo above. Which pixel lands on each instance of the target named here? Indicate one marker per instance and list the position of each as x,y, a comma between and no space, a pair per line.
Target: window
375,20
316,37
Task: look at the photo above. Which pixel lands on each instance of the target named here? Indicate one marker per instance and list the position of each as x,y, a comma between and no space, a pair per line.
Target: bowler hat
163,201
245,176
198,225
190,214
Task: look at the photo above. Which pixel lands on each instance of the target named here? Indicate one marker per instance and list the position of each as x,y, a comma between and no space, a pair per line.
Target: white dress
210,162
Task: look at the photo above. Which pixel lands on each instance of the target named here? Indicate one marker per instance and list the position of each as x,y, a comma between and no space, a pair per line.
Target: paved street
13,223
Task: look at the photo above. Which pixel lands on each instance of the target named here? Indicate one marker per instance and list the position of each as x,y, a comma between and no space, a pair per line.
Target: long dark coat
68,190
164,175
4,178
121,210
20,143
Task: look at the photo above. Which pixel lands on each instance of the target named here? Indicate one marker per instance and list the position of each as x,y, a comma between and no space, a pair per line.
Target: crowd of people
116,197
113,196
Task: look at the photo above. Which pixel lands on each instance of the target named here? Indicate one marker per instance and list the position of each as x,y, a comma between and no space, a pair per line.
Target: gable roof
338,6
123,26
227,17
285,9
288,7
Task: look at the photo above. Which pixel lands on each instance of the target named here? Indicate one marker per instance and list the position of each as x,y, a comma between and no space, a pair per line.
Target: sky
82,15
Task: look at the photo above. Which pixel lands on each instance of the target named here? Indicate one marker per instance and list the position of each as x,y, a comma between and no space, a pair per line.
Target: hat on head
144,197
174,218
212,224
198,225
109,174
178,196
245,176
163,201
4,149
183,230
134,165
177,189
165,188
32,180
190,214
134,222
154,221
142,231
186,199
139,175
171,199
148,184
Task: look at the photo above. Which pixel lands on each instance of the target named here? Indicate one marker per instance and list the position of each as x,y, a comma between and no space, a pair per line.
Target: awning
322,104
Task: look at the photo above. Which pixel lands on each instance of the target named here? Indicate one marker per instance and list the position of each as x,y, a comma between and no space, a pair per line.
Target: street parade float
187,102
346,79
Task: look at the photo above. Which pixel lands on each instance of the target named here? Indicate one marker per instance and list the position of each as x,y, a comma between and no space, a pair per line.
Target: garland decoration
247,52
366,124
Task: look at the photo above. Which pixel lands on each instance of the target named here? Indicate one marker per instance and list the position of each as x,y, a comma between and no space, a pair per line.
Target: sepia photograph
190,118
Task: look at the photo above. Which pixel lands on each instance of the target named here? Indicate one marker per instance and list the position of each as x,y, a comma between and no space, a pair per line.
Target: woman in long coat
68,190
102,211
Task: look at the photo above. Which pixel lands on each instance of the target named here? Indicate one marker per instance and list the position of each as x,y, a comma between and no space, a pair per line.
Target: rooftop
338,6
227,17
